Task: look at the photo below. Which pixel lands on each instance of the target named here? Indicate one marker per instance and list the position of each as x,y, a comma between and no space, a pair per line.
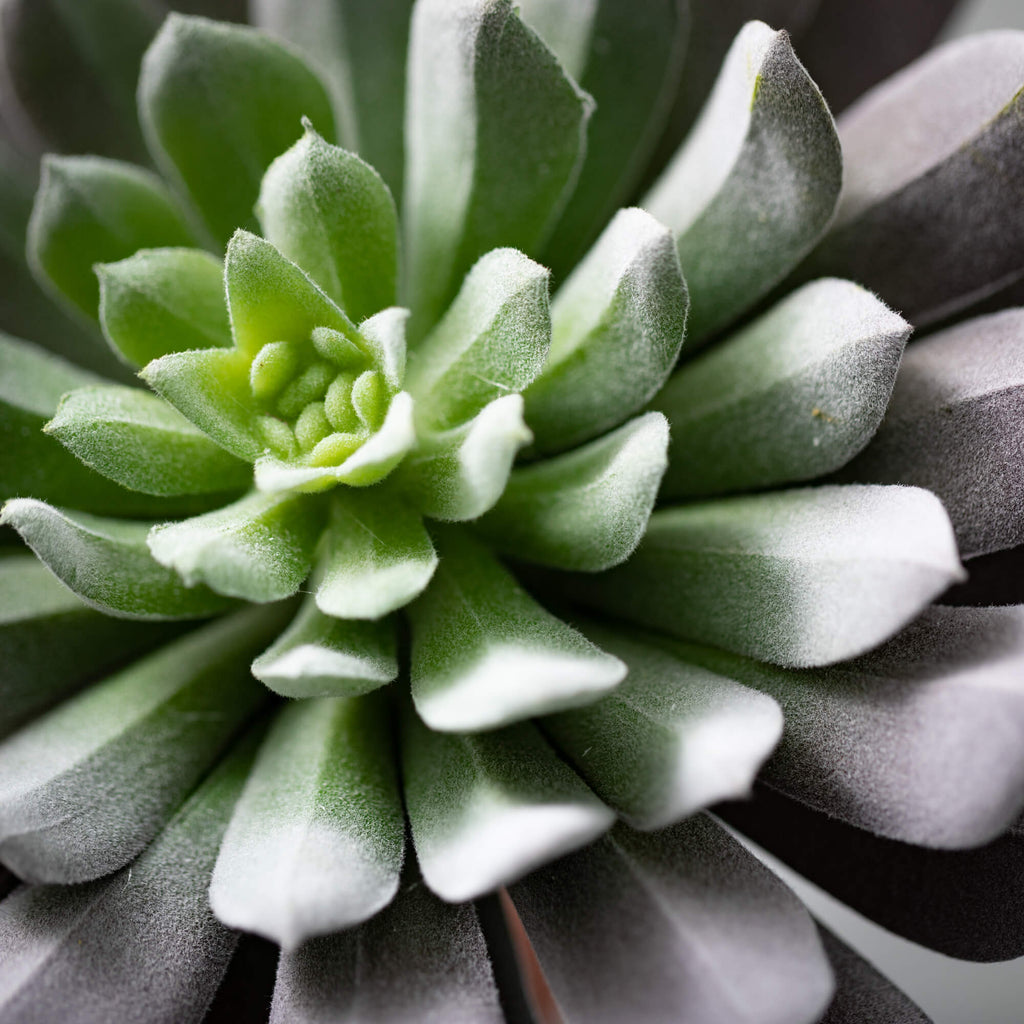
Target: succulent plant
412,518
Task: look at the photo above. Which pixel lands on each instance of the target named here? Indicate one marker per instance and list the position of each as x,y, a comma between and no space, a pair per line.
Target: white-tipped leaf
956,426
485,810
316,840
139,441
628,929
459,474
921,740
493,339
485,654
107,563
259,548
322,656
755,184
149,928
84,788
799,578
617,325
671,739
586,509
419,960
376,556
791,397
494,141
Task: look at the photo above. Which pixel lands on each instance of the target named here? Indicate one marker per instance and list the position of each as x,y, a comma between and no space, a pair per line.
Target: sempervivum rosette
371,550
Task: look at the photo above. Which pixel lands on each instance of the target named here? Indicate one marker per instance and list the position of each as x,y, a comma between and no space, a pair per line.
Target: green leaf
107,563
271,299
799,578
459,474
163,300
317,838
359,46
651,912
217,104
31,463
88,785
485,810
954,426
332,214
755,184
929,215
367,465
89,210
375,557
259,549
73,64
150,925
794,395
322,656
671,739
51,643
493,339
139,441
495,138
418,960
616,329
485,654
586,509
384,337
628,57
210,387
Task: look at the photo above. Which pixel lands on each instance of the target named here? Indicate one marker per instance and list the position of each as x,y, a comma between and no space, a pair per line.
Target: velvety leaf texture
785,576
956,426
647,914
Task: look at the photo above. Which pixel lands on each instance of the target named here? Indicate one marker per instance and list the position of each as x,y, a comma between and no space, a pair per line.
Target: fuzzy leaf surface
485,654
629,59
755,184
929,214
586,509
459,474
925,733
316,840
649,911
493,339
485,810
955,425
87,786
792,396
217,104
495,139
139,441
331,213
418,960
163,300
671,739
322,656
107,563
51,643
617,326
90,210
360,48
376,557
798,578
260,548
150,926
